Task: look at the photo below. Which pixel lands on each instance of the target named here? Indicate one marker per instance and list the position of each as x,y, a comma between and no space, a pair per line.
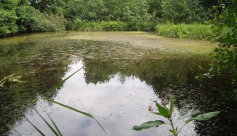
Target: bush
81,25
26,17
192,31
46,23
7,22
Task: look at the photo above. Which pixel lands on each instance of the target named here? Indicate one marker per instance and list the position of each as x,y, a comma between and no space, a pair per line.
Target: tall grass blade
42,96
35,127
53,123
47,124
13,129
84,113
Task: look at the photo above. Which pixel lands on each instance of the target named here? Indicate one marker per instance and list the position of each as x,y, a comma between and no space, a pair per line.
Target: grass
190,31
81,25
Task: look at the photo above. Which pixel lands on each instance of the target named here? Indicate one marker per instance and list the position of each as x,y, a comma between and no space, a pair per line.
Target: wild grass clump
82,25
47,23
191,31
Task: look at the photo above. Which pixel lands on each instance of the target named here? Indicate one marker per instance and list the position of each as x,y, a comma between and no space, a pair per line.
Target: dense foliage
58,15
225,57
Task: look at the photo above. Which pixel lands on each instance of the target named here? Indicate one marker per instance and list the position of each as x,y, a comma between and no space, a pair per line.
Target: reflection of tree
154,72
175,76
41,67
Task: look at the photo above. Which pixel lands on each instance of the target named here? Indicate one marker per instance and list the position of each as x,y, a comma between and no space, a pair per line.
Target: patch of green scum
32,37
149,41
137,32
118,45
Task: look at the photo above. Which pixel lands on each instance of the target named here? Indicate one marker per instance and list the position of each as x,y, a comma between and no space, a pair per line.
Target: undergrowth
190,31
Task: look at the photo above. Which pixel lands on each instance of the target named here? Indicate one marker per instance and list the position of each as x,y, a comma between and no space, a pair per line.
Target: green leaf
47,124
35,127
148,125
84,113
207,116
189,120
157,113
171,104
53,123
162,111
13,129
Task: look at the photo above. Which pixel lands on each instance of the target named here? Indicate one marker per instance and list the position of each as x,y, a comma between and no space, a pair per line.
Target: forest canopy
59,15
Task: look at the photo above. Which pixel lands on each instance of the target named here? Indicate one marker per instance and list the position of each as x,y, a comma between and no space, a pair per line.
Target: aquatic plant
167,113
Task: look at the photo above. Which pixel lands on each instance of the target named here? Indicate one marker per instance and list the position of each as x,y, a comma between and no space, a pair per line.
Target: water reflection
117,107
115,86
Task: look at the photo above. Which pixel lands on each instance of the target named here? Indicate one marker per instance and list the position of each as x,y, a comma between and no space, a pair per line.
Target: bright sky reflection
117,107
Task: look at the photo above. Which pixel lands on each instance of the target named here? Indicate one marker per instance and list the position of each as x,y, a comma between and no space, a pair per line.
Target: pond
122,73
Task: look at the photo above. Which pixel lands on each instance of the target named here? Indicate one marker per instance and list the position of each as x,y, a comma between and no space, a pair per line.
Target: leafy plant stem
174,132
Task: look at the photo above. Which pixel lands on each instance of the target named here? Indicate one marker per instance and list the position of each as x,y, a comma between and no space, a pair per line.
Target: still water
122,73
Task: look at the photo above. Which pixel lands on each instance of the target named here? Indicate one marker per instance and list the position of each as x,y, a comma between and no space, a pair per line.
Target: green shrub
192,31
7,22
81,25
117,26
47,23
26,17
78,25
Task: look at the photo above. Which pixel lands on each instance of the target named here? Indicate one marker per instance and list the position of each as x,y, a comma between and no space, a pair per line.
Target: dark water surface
116,85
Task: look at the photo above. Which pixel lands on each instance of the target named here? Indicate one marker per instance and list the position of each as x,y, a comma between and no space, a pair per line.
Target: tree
137,11
7,22
187,11
225,57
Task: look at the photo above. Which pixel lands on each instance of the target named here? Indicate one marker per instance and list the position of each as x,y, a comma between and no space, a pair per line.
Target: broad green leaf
171,104
47,124
162,111
157,113
13,129
148,125
35,127
207,116
84,113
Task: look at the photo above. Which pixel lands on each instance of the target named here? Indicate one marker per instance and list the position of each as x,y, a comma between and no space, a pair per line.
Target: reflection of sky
117,107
